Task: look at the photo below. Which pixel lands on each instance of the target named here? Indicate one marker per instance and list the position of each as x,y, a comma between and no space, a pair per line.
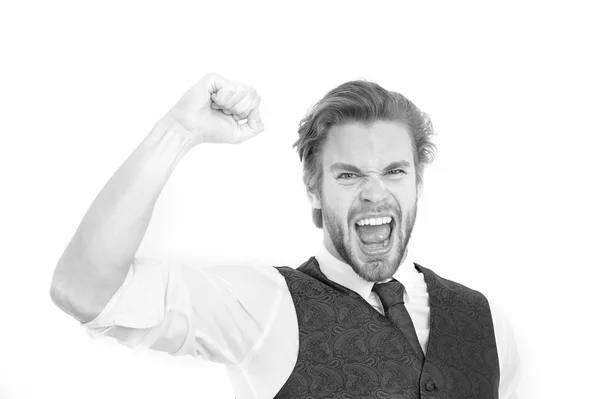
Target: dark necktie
392,298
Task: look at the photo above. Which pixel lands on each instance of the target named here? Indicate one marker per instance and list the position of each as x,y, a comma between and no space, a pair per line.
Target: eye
346,176
396,172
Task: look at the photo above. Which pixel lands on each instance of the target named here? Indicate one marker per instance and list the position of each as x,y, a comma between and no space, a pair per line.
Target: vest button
430,386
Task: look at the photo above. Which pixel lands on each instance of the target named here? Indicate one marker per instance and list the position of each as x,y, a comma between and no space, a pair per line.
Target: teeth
375,221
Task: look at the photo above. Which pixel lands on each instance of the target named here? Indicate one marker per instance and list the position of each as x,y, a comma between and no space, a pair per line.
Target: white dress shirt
244,317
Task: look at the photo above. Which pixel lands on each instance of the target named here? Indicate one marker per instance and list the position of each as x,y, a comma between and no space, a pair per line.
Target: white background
510,204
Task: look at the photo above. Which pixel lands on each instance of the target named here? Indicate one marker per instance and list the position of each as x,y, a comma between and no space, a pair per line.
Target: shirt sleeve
218,313
508,355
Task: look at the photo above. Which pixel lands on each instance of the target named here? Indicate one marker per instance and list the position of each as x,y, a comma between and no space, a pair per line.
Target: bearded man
360,319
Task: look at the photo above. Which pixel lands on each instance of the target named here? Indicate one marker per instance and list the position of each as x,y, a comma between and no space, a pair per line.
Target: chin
376,269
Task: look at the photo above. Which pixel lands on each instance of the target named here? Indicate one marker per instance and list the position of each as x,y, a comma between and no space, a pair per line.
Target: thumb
252,127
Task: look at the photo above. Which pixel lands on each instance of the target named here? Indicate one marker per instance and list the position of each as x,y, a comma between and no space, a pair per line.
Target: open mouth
375,234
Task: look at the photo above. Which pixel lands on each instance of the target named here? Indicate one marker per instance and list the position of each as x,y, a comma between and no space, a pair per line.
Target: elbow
57,295
65,300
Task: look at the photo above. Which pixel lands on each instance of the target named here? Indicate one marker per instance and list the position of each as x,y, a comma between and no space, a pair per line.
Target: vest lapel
311,267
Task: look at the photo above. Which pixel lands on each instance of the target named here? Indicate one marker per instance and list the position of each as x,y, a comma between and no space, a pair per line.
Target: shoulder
440,287
296,278
252,275
305,271
430,275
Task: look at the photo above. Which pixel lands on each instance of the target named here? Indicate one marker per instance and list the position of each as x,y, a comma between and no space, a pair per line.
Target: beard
374,268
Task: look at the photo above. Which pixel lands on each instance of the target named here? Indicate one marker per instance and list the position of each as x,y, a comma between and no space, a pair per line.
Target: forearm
96,261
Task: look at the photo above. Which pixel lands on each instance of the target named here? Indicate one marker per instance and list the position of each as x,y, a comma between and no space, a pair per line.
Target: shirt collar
342,273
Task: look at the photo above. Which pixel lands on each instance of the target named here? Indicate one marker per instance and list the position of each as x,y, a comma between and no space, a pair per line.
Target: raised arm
96,261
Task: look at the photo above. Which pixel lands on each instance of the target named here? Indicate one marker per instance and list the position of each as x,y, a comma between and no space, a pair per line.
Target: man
358,320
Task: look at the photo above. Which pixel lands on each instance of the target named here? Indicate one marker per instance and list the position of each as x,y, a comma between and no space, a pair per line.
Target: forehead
368,146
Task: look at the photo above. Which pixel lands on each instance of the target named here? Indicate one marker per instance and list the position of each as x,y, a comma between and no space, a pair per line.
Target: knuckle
224,96
211,75
237,110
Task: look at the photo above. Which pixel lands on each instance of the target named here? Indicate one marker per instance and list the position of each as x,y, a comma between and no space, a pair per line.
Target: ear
315,199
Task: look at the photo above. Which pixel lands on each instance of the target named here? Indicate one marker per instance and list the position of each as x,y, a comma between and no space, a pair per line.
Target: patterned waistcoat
349,350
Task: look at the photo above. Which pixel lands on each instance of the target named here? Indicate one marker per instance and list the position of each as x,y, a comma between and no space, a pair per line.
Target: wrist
169,132
166,144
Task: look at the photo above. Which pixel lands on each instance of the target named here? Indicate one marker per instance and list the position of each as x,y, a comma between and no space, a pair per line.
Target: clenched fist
217,110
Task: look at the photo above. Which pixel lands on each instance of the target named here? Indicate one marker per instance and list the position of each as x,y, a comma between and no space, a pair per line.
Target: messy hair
363,102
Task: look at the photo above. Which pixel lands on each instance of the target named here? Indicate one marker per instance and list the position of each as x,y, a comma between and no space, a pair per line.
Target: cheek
406,203
338,199
339,209
405,195
344,203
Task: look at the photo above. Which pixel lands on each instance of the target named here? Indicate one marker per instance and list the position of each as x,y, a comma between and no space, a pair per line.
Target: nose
374,191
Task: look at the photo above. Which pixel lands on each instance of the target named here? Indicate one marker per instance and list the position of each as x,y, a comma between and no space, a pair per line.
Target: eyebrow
354,169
